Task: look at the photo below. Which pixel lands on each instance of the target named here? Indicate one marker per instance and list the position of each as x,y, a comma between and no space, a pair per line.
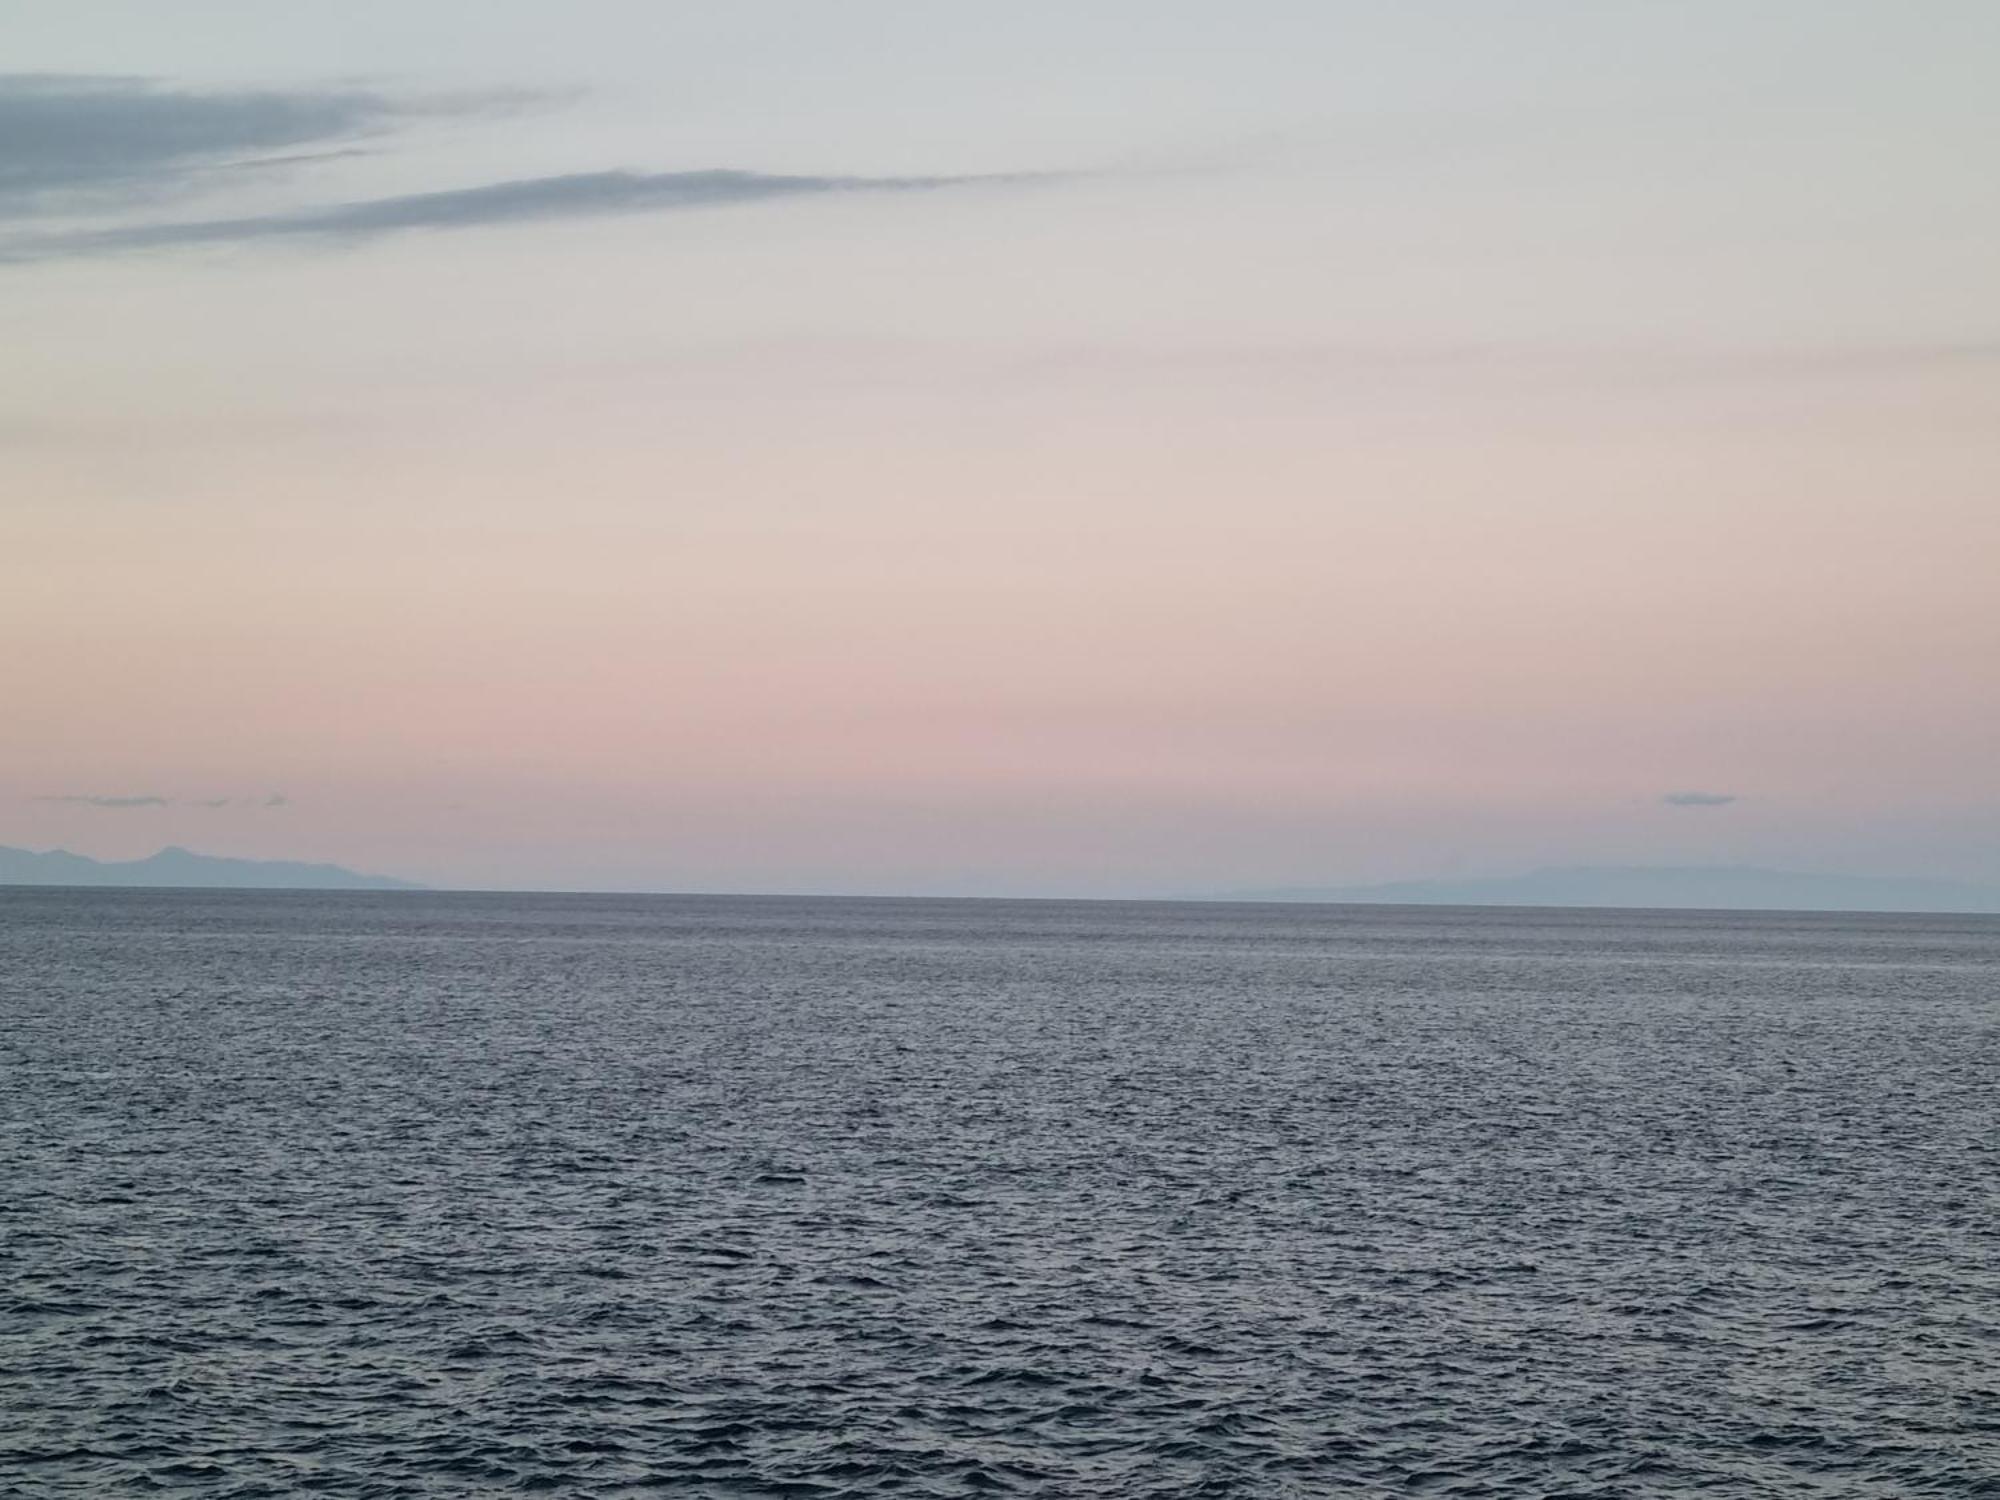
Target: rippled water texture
435,1195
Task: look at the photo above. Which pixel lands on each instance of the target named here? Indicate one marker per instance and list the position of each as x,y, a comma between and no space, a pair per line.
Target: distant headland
185,869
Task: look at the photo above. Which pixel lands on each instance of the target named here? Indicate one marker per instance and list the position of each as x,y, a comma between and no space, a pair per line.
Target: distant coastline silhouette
180,868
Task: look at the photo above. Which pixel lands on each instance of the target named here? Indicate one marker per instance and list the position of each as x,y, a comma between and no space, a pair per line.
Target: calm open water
481,1195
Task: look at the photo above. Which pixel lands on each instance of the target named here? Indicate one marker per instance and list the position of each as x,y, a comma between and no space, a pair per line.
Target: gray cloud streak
526,200
63,136
1700,799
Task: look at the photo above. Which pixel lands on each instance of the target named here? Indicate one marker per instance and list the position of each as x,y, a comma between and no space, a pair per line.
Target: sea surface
437,1195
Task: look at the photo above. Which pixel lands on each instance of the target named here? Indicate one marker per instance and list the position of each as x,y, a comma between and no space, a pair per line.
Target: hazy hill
1716,887
175,866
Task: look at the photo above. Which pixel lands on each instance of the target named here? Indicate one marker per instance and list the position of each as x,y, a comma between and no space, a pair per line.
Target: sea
478,1195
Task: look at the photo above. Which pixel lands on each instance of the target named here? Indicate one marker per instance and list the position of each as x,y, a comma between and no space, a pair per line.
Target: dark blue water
435,1195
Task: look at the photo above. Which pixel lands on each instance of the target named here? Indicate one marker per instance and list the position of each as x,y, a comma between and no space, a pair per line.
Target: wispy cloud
75,138
83,799
1700,799
87,800
1602,366
524,200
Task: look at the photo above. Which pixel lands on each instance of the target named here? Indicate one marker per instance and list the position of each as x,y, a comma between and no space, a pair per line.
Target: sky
1108,449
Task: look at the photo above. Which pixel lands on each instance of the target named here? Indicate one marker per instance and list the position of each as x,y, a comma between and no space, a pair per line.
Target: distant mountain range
179,867
1709,887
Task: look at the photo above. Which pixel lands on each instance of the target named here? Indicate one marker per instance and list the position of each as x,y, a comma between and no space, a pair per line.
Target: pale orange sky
1297,493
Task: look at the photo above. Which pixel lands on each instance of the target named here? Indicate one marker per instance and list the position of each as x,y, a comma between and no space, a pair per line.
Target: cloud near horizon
90,799
1700,799
82,799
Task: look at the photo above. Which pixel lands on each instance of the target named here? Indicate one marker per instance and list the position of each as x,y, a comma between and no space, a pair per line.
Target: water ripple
598,1197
